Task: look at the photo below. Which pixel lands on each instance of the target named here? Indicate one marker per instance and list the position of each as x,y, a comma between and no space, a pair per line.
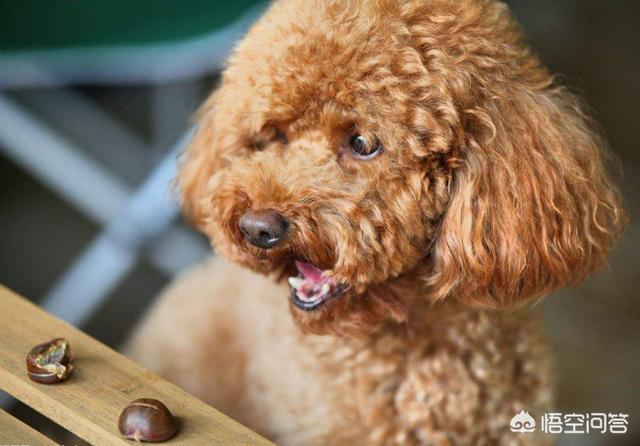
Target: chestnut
50,362
146,419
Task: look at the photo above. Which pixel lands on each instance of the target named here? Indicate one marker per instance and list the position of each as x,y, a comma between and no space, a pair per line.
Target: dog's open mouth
311,287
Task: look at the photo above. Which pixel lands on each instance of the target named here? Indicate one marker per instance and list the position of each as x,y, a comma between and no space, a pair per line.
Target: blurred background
95,104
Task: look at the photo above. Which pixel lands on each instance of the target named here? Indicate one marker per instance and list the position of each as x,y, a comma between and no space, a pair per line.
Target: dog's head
366,149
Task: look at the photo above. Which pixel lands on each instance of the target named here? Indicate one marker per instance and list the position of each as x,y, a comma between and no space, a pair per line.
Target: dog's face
366,151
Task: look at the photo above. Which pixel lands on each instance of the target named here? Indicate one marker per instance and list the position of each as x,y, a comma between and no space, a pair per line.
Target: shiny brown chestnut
50,362
147,419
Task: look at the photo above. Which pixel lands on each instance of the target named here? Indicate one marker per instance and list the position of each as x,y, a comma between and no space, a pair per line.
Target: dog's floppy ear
197,164
217,135
532,208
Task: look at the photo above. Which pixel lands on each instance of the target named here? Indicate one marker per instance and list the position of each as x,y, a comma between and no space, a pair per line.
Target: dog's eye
363,149
267,136
282,137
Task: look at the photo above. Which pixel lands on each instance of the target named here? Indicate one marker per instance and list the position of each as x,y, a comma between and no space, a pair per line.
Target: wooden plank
14,431
102,384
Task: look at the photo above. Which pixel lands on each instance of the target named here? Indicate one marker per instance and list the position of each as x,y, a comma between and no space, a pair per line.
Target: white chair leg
73,175
114,252
59,164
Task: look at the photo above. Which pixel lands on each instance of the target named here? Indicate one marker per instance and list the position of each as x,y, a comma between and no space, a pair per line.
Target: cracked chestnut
146,419
50,362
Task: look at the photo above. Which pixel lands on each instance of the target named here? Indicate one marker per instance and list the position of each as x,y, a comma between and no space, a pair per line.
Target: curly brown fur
451,375
491,190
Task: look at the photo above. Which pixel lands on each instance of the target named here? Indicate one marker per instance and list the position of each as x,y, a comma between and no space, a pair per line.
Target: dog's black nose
265,228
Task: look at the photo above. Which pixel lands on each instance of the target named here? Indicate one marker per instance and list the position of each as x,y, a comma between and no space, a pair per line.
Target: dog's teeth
325,289
296,282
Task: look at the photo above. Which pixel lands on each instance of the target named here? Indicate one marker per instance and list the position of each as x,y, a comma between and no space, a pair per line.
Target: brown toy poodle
391,181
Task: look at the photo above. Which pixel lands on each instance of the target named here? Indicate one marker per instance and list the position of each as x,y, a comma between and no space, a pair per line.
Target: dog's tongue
313,287
309,271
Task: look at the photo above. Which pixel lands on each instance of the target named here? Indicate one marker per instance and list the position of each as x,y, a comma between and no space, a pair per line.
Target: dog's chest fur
425,382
